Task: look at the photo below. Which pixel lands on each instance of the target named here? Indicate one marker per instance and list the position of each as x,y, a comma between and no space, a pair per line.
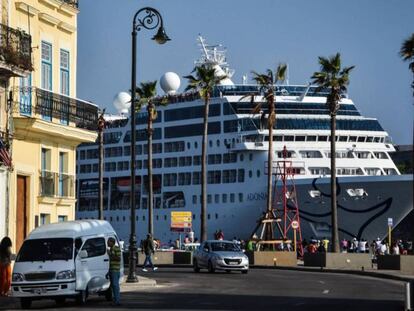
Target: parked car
220,255
62,260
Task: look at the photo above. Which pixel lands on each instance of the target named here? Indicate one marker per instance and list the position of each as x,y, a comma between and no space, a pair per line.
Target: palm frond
407,48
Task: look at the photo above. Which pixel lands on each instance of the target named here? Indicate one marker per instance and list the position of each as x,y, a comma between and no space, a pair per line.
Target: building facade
47,120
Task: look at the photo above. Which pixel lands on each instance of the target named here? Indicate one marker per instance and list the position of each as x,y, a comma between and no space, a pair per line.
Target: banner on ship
181,221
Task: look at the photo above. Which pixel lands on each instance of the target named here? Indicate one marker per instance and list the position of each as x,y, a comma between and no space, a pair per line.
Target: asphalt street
261,289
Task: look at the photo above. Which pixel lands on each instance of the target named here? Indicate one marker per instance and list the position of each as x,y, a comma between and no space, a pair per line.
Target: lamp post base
133,258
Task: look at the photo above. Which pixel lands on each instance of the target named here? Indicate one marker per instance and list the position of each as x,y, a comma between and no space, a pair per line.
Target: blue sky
258,35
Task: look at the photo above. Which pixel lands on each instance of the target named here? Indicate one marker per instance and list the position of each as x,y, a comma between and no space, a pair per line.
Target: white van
67,259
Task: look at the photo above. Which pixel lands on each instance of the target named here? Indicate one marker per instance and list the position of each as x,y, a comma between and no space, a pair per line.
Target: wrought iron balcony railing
52,106
74,3
15,48
53,184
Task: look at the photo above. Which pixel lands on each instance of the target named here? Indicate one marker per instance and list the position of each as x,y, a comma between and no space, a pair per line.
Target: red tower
285,203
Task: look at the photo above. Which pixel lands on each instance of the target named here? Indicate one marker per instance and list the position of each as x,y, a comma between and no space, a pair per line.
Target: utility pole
101,126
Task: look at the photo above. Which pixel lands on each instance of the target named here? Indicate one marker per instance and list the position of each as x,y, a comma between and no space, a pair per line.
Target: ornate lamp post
146,18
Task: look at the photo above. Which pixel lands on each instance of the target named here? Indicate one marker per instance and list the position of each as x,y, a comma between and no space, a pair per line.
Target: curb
378,275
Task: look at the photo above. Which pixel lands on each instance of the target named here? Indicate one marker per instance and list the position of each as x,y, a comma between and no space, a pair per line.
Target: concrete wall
404,263
272,258
338,260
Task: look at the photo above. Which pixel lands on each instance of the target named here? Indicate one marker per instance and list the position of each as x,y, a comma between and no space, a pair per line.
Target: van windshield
46,249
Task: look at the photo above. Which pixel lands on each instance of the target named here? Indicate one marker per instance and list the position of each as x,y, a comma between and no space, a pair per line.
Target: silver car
220,255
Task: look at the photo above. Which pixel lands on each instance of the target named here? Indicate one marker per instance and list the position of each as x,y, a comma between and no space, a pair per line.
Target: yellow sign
181,221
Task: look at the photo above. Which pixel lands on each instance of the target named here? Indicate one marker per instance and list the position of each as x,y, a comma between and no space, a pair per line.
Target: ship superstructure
370,187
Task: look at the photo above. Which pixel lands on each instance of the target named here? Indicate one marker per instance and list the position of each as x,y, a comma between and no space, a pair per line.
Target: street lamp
146,18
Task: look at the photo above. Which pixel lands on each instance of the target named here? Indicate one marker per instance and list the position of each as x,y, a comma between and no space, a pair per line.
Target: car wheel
196,268
25,303
211,267
60,301
245,271
108,294
228,271
82,297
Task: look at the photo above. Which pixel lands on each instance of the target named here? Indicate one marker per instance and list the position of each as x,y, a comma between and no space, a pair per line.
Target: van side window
78,245
95,247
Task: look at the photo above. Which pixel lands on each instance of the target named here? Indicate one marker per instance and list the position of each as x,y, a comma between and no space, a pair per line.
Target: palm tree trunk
334,210
203,216
100,173
150,190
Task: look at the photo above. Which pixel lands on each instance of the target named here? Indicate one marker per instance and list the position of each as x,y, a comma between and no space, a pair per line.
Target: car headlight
66,274
17,277
245,259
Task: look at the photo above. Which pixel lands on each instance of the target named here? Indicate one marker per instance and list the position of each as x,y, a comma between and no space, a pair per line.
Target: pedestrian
344,245
220,235
5,266
114,253
325,243
250,246
148,249
362,246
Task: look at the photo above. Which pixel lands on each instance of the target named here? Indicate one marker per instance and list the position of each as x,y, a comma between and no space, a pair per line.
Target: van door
91,271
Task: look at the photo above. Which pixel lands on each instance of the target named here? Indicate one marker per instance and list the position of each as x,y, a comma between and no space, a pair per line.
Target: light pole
150,19
101,126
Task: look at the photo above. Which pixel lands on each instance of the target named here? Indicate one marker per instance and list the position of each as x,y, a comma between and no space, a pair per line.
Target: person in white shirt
362,246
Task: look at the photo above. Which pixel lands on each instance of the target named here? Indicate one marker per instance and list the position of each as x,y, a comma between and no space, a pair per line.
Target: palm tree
204,80
407,54
146,93
266,82
336,80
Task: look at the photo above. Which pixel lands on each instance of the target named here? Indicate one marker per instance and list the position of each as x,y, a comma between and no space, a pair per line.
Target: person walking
5,266
148,249
114,253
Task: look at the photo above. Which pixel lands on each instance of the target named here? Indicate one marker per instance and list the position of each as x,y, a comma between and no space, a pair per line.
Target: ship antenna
203,46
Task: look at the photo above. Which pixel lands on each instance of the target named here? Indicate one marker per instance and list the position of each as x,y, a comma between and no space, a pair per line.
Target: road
267,289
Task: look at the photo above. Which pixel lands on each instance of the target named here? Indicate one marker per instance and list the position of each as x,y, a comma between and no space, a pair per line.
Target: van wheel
82,297
211,267
196,268
108,294
245,271
60,301
25,303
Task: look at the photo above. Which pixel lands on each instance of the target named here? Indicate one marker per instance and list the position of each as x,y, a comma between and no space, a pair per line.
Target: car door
204,254
91,270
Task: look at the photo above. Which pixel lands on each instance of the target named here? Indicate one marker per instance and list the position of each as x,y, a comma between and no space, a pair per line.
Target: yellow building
48,122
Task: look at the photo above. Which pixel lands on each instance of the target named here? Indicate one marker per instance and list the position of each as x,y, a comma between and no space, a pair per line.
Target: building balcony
56,116
73,3
56,185
15,52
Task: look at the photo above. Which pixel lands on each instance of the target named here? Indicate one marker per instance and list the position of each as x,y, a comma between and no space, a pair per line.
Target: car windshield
46,249
224,247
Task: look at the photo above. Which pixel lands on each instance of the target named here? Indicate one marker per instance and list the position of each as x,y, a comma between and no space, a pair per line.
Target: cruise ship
370,188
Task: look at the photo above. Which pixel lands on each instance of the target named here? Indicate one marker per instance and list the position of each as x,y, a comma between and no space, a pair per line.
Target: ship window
188,145
216,215
322,138
196,160
194,199
370,139
229,176
82,154
241,157
250,174
191,113
310,154
191,130
277,138
127,151
209,200
289,138
361,139
240,175
218,143
376,171
194,216
390,171
258,173
251,156
185,161
138,164
210,143
232,197
170,179
208,216
214,177
184,179
343,138
376,139
214,159
311,138
300,138
195,145
224,197
216,198
380,155
175,146
240,197
229,158
196,178
170,162
165,217
352,139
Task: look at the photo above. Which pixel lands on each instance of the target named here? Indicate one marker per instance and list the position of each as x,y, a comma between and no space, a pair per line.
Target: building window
25,95
65,181
44,219
64,83
46,72
62,218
